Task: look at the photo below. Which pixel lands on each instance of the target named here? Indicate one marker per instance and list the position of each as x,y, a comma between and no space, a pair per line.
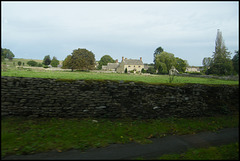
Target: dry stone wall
39,97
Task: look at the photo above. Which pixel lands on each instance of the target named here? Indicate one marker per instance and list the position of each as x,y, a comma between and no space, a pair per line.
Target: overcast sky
33,30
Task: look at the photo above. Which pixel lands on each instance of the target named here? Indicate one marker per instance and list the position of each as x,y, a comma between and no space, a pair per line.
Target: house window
139,66
129,66
134,66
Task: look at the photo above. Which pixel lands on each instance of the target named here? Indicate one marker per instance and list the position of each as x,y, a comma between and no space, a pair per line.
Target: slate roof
112,65
132,62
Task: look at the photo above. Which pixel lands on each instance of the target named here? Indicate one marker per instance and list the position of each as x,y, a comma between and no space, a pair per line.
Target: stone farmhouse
193,69
135,65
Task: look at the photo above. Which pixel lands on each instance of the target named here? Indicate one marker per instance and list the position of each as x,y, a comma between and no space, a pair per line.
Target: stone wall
38,97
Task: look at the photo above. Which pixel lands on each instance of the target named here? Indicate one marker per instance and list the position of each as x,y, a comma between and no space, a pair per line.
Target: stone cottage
193,69
135,65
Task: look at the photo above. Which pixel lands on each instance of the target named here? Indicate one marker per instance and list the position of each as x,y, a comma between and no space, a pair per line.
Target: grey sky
129,29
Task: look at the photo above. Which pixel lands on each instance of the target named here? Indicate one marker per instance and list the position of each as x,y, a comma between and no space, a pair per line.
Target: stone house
135,65
193,69
111,66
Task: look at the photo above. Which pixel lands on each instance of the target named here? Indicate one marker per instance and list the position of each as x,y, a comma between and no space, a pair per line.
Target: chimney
140,58
122,58
116,60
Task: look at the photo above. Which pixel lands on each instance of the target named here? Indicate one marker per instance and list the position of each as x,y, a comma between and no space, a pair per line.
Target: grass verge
27,136
224,152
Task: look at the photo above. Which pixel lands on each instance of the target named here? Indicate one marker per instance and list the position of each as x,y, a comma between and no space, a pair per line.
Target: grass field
26,136
153,79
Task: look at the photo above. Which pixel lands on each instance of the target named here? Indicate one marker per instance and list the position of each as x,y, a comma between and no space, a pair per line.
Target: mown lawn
154,79
25,136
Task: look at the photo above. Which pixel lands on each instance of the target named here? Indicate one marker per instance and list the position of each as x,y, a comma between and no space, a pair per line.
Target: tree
81,59
157,52
207,61
181,65
19,63
32,63
67,63
39,65
164,62
6,53
105,60
151,70
54,62
235,61
47,60
221,64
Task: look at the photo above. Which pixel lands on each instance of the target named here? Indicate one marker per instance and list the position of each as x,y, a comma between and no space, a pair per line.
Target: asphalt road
159,146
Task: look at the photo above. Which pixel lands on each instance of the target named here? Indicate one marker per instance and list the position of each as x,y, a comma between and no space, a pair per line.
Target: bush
143,71
195,73
125,70
19,63
45,66
32,63
151,70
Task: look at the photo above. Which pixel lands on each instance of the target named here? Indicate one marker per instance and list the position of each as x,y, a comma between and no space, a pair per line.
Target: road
159,146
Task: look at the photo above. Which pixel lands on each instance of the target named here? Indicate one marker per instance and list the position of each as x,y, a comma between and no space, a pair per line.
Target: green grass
224,152
26,136
156,79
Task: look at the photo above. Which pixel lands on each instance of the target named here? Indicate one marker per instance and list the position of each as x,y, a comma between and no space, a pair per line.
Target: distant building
193,69
135,65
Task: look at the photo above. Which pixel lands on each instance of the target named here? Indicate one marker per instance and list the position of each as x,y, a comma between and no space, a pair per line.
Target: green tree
81,59
19,63
157,52
32,63
221,64
105,60
47,60
54,62
181,65
235,61
67,63
164,62
6,53
151,70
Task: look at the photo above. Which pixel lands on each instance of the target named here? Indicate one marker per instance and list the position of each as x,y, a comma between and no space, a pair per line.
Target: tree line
82,59
221,63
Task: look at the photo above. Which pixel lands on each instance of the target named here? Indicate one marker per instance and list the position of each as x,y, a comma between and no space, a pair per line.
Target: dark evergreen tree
47,60
221,64
157,52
